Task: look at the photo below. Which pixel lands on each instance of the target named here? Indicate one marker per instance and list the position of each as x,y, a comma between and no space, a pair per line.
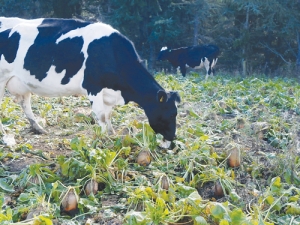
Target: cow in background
61,57
195,57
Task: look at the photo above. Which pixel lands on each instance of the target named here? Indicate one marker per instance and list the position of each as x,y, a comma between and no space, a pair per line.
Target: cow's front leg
109,126
183,70
207,65
103,117
102,112
23,95
102,106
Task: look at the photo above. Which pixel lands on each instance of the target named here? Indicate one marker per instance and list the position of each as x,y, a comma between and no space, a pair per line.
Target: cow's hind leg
23,95
207,65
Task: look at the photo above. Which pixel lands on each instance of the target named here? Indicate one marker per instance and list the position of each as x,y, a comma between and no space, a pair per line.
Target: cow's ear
162,96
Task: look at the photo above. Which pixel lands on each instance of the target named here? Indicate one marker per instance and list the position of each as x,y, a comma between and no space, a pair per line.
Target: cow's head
163,54
162,114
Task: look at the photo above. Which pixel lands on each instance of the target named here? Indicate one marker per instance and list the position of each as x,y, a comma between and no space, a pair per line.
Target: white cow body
21,84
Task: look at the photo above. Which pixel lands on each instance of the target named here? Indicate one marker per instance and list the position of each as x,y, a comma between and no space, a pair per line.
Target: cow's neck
142,87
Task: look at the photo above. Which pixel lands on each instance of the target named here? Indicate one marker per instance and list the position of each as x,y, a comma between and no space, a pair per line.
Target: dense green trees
266,32
254,36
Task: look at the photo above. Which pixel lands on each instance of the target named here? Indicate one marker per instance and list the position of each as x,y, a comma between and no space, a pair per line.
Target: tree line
254,36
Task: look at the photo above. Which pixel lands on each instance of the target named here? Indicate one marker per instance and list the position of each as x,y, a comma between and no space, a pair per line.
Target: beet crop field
236,159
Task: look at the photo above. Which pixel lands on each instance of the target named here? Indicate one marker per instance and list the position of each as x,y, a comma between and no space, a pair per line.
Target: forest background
254,36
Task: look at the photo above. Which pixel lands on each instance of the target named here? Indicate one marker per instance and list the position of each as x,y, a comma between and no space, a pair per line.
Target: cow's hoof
38,130
165,144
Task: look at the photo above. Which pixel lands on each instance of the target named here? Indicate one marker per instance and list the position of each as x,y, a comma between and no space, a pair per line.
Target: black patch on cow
100,66
68,56
9,45
45,52
113,63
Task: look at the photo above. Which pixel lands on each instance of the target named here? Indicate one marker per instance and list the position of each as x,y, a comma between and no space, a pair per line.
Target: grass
258,116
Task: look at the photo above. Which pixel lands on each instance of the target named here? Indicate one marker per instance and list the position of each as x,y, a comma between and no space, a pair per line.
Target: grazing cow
195,57
61,57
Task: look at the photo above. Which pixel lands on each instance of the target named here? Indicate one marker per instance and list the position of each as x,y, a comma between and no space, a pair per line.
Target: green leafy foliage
215,116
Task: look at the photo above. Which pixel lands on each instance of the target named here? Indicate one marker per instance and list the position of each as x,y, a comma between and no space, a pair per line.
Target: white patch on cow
103,104
8,23
5,68
53,82
88,33
19,24
164,48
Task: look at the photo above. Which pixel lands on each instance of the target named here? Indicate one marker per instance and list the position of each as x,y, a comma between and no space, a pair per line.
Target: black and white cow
195,57
61,57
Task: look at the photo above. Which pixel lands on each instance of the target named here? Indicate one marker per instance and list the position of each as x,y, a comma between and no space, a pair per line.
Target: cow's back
200,52
206,50
46,52
8,23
